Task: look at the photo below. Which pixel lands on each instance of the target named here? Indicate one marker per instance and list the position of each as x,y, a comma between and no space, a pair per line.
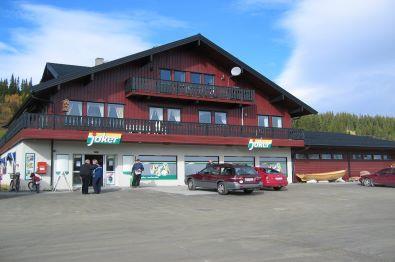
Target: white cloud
343,56
75,37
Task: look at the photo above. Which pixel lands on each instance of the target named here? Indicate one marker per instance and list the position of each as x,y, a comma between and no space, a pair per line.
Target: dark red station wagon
384,177
225,178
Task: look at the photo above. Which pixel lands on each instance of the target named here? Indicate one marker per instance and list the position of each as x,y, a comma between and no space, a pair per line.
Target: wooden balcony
146,127
138,86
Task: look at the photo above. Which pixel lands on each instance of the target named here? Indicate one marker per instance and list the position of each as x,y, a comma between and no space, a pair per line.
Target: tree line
377,126
13,92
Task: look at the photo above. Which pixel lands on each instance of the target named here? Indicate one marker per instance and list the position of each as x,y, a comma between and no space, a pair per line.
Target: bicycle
15,183
32,185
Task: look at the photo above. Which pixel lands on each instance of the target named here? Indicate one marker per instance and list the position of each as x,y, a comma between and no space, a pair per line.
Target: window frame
116,104
204,79
267,118
167,114
160,74
220,112
282,121
76,101
179,71
196,73
91,102
149,113
207,111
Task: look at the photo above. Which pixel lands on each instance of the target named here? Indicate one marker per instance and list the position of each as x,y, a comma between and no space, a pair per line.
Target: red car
272,178
225,178
384,177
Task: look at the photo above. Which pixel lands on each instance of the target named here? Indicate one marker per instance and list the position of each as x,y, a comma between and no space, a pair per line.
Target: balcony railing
141,126
139,85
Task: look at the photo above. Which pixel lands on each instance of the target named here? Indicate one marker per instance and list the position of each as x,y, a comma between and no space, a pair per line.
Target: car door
213,177
204,177
391,177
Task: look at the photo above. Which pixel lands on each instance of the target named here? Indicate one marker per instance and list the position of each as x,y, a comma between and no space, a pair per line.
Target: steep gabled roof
329,139
55,71
299,107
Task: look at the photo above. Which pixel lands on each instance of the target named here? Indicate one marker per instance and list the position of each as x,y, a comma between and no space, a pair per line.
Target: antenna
235,71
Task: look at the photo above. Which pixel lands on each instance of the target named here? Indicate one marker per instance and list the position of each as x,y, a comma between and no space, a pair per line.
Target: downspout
52,167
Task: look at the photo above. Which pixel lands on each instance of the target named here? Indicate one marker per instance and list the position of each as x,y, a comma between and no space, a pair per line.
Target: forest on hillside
13,92
376,126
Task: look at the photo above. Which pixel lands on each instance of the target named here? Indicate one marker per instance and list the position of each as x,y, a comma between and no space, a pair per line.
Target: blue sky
332,56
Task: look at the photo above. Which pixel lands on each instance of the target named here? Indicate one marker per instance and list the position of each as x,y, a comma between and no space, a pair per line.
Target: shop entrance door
99,159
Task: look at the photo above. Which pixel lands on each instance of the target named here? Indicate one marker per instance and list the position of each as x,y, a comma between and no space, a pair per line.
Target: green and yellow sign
259,143
103,138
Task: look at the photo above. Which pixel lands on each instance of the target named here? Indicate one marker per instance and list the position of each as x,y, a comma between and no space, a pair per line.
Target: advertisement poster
110,178
276,163
159,171
29,164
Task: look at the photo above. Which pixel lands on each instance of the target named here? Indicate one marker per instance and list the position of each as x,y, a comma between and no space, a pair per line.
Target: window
115,110
205,117
196,78
159,167
179,76
386,157
240,160
95,109
326,156
209,79
220,118
110,163
156,113
165,74
367,157
300,156
173,115
263,121
194,164
377,157
276,163
277,121
75,108
357,157
227,171
338,156
313,156
245,170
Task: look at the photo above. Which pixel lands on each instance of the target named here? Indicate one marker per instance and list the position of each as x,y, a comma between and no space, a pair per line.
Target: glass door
77,163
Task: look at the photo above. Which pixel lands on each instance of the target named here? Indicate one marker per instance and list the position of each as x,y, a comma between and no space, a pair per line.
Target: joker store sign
259,143
103,138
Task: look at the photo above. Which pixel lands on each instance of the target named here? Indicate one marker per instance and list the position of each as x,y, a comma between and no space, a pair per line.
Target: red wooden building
174,106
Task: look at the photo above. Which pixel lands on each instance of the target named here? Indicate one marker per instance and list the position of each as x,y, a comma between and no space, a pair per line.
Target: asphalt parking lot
307,222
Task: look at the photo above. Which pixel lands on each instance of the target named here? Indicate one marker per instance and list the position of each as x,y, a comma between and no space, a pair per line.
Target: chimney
99,61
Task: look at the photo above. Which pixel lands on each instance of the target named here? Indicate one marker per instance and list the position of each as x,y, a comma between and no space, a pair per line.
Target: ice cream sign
103,138
259,143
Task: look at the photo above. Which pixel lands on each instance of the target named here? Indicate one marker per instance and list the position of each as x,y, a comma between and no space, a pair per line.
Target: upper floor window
220,118
263,121
75,108
277,121
326,156
313,156
115,110
179,76
300,156
337,156
209,79
156,113
173,115
196,78
205,117
95,109
165,74
357,156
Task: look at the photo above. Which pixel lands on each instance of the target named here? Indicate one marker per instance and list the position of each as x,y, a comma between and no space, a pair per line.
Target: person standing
137,170
97,181
86,173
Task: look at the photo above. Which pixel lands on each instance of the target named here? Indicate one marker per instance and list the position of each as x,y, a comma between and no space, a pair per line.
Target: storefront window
240,160
115,110
75,108
263,121
174,115
194,164
95,109
156,113
276,163
220,118
159,167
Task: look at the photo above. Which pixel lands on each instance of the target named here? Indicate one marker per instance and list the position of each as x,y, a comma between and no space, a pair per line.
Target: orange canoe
322,176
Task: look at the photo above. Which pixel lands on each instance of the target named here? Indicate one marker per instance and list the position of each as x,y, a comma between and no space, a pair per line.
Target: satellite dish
235,71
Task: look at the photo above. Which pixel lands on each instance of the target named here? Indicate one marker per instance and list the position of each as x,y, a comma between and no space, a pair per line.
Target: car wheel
248,191
370,182
366,182
277,188
221,188
191,184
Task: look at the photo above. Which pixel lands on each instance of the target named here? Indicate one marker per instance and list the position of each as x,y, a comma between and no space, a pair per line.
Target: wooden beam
151,58
58,87
297,110
198,42
92,77
277,99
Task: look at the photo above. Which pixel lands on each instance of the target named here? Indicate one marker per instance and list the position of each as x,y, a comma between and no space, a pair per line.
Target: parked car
225,178
384,177
272,178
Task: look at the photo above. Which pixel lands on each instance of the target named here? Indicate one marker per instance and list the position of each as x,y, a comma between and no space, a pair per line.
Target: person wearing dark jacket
137,170
97,177
86,173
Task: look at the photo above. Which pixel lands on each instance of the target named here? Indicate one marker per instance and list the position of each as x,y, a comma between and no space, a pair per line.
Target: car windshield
245,170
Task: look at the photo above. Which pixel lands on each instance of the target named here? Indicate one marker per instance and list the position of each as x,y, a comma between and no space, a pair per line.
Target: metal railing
165,87
142,126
